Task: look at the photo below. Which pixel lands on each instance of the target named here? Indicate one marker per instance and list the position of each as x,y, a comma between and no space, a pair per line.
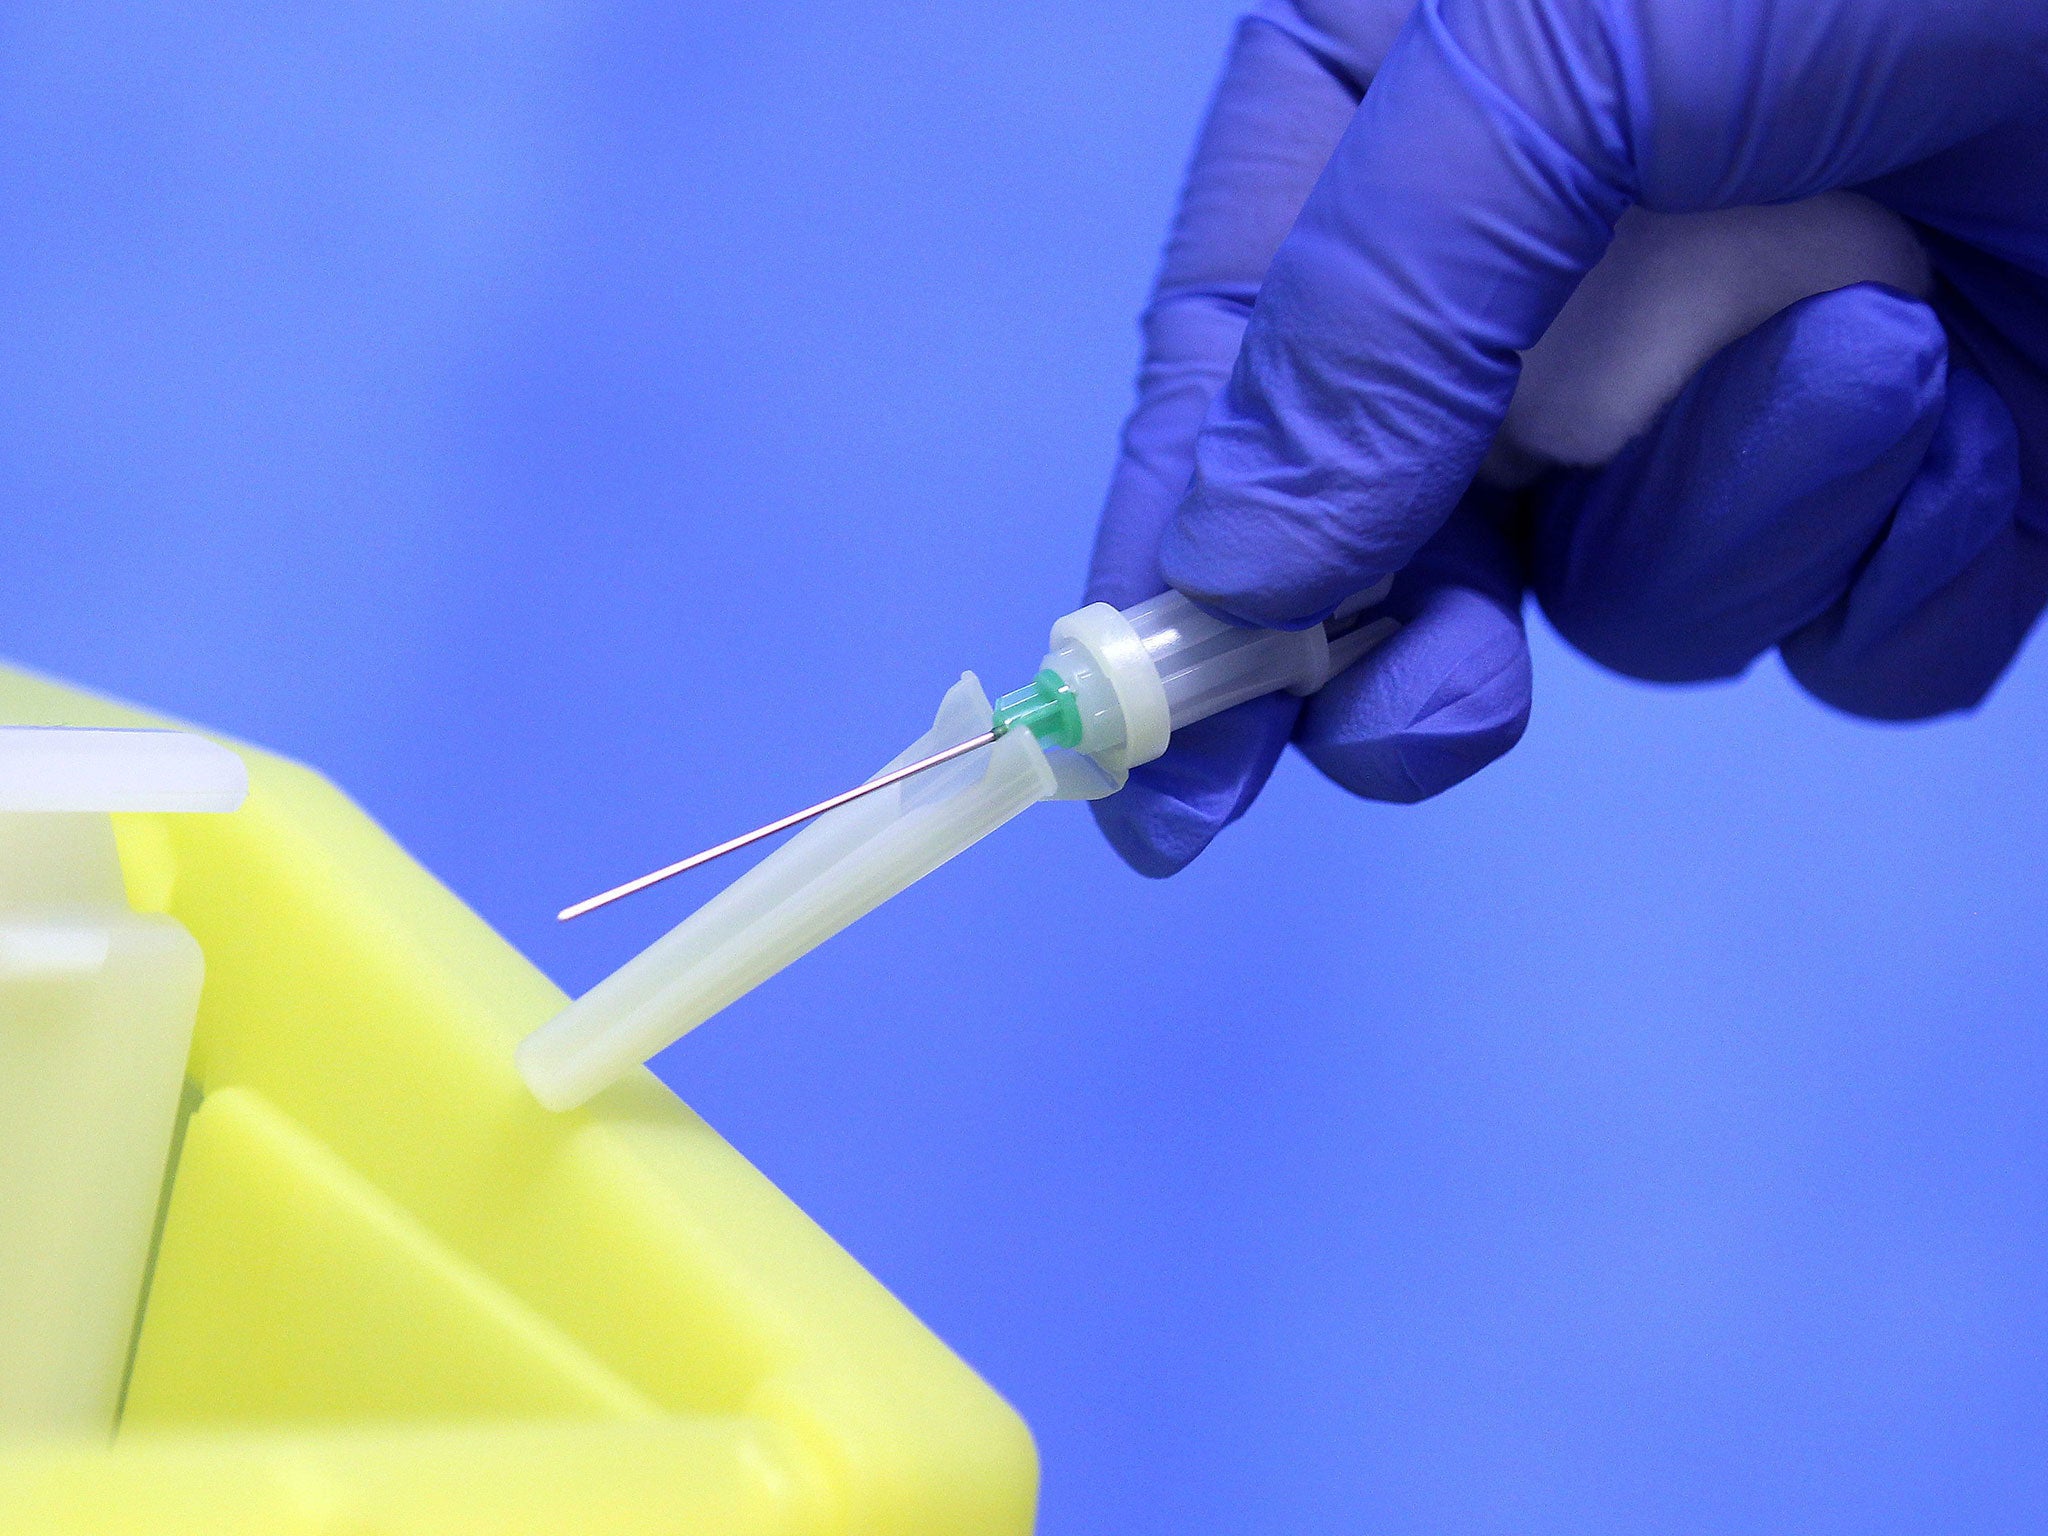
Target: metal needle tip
895,776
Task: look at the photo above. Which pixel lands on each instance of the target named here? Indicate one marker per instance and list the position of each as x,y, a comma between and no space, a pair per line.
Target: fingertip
1155,834
1862,367
1944,602
1173,808
1439,701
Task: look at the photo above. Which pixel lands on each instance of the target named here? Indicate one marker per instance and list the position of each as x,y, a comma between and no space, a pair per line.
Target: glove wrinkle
1349,38
1374,370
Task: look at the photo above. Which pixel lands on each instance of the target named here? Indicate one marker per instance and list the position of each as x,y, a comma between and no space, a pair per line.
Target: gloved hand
1861,482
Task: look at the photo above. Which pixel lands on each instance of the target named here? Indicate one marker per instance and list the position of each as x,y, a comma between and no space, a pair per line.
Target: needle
773,827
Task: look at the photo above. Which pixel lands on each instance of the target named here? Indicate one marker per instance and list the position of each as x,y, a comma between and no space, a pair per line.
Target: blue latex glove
1859,482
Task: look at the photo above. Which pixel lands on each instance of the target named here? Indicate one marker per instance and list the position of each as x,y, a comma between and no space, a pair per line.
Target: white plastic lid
62,768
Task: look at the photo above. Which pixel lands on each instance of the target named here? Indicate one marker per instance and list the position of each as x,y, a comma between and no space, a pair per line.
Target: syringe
1115,685
1110,693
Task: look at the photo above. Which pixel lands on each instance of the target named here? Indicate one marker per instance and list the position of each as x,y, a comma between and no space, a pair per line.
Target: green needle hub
1046,708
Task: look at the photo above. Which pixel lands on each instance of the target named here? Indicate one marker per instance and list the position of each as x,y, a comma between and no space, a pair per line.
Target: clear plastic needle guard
1111,691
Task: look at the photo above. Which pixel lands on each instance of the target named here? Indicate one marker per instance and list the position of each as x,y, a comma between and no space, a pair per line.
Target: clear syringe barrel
1206,665
1140,674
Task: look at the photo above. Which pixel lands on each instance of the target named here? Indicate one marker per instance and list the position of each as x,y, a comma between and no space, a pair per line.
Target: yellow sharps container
390,1295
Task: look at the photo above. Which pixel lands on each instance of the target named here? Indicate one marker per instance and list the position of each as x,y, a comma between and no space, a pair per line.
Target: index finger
1280,108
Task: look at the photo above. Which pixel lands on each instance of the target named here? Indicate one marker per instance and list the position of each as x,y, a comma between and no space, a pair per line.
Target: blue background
540,416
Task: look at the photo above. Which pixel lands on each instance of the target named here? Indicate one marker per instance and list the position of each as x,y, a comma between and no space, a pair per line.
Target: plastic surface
1355,629
840,867
1113,687
96,1010
1125,716
88,770
393,1295
1046,707
1140,674
1206,665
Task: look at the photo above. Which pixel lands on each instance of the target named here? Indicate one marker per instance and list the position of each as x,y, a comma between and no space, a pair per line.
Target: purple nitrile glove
1858,481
